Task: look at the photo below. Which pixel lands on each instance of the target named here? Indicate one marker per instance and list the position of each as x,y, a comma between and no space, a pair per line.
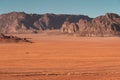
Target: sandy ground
53,57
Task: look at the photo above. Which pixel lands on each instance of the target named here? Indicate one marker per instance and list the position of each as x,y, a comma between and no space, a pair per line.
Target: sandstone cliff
107,25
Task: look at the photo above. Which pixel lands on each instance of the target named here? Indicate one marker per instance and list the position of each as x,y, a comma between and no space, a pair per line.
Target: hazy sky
91,8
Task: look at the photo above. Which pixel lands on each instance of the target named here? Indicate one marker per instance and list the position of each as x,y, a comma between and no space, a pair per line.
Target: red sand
61,58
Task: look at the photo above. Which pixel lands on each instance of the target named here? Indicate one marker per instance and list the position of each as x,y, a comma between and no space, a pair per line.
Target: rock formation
68,27
13,39
107,25
20,22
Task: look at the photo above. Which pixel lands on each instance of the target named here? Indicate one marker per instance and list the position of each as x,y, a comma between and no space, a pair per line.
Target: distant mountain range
20,22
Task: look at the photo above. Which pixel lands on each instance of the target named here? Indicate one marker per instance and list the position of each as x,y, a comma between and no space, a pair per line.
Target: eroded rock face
68,27
107,25
20,22
17,22
65,26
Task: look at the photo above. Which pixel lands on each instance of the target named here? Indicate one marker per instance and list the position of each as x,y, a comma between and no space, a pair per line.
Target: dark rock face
52,21
20,22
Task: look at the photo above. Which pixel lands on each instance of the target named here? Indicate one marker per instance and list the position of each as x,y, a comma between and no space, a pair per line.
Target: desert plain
63,57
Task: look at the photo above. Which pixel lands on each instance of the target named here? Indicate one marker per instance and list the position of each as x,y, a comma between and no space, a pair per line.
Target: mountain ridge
21,22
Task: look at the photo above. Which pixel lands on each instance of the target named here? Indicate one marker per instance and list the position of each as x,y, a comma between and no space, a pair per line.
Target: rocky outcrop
107,25
14,39
68,27
20,22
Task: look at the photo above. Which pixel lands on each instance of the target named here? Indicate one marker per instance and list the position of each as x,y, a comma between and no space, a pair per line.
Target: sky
92,8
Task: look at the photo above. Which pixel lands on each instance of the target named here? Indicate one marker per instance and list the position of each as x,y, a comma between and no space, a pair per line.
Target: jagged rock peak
112,15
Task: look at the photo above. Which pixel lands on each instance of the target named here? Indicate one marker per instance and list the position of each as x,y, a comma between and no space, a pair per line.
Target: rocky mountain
107,25
20,22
